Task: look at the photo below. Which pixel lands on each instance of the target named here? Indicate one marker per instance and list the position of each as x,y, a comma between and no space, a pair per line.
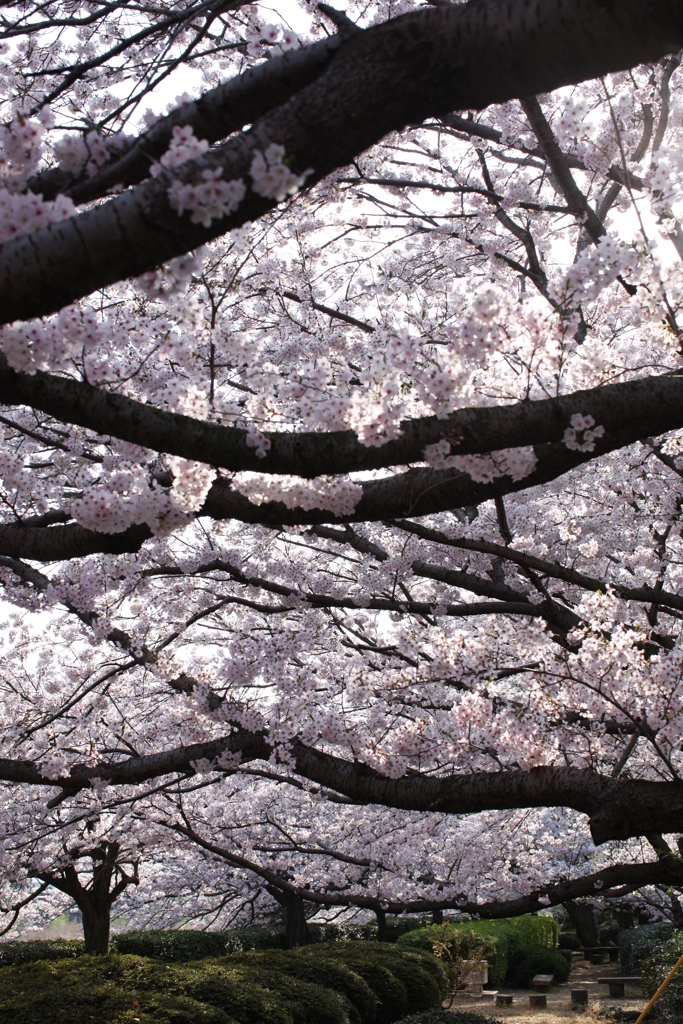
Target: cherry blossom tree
341,501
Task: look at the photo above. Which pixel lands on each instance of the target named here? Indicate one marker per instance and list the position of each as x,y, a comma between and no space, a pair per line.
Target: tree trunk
437,916
96,921
585,923
296,929
381,926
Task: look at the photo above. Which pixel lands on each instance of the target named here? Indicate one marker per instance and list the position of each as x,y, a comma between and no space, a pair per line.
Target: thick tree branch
422,64
627,411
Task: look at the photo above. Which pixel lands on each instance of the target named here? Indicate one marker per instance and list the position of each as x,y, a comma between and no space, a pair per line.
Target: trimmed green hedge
635,944
333,983
188,944
40,949
654,969
171,945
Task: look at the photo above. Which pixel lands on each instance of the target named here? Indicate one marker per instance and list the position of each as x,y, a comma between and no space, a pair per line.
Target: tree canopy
340,500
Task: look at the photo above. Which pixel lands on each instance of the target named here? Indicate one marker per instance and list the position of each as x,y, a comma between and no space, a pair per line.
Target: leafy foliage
655,968
635,944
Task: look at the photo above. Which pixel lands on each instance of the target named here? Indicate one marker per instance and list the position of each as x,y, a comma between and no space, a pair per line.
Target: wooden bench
543,980
616,985
596,954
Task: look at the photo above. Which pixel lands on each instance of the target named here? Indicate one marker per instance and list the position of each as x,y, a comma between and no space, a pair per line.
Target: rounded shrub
333,975
527,961
389,988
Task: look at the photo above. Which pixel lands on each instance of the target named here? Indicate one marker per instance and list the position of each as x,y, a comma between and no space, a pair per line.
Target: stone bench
503,999
474,974
596,954
489,995
616,985
538,1000
543,980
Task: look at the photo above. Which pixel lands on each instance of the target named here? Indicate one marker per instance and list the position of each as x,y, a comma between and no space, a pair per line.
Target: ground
583,975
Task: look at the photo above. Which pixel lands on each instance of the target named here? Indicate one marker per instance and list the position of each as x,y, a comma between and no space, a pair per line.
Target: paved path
559,1010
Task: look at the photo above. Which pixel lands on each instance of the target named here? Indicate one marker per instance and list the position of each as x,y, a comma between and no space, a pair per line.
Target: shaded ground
583,975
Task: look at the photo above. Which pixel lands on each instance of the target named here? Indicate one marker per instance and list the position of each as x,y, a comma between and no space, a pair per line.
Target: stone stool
580,997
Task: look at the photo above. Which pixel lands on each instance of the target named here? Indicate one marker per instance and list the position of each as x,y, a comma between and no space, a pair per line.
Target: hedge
637,943
332,983
654,969
40,949
187,944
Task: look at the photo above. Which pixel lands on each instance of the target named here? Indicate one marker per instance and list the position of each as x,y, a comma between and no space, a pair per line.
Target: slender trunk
437,917
381,926
585,922
96,922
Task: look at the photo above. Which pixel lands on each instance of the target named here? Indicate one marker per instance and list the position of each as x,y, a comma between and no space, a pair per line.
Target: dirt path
583,975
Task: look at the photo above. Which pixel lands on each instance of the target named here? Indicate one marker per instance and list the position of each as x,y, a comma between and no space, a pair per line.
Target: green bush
569,940
654,969
71,991
609,933
635,944
337,976
404,981
465,943
526,961
39,949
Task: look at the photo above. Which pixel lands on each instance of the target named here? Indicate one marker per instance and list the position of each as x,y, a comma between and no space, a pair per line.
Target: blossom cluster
585,426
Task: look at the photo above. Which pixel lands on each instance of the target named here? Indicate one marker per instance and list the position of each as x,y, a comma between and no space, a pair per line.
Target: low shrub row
515,948
40,949
328,983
